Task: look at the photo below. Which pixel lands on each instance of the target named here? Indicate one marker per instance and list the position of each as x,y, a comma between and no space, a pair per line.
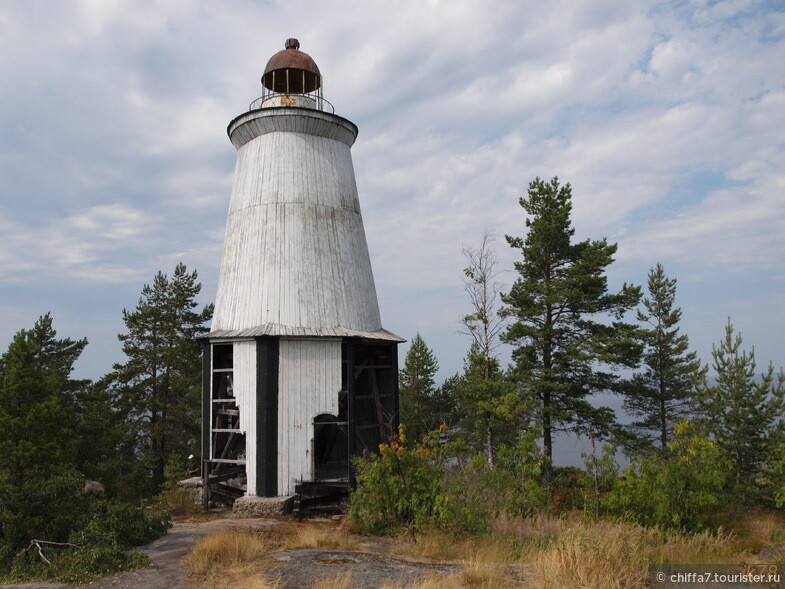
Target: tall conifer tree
158,387
566,325
665,390
743,413
488,405
38,481
420,405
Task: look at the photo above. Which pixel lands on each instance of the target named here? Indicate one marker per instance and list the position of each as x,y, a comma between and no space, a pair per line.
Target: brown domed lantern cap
291,71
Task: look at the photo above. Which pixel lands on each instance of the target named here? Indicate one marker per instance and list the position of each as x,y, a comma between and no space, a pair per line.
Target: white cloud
667,117
81,246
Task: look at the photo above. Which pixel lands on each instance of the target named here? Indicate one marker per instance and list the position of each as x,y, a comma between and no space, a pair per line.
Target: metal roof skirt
272,329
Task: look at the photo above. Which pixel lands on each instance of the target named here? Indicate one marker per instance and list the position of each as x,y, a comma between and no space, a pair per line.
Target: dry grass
606,555
472,580
482,575
560,552
759,535
575,551
429,583
339,582
703,548
319,537
226,549
238,558
768,526
229,559
440,547
482,560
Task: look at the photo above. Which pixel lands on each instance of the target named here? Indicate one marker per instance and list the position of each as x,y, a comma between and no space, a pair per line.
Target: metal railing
312,100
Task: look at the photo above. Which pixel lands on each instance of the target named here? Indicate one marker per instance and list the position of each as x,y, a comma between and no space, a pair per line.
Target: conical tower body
298,373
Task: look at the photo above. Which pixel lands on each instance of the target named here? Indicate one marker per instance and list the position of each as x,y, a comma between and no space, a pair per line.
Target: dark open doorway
330,448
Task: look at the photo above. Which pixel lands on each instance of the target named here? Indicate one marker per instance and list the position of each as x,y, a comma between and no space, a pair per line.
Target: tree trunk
596,474
547,440
663,426
489,448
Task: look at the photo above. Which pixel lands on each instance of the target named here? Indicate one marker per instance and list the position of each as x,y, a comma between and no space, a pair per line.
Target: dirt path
166,571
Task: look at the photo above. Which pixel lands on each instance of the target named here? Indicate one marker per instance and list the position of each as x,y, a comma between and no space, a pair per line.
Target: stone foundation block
194,488
263,505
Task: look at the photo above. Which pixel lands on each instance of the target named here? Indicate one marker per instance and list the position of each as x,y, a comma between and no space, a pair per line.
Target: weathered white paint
295,252
245,393
309,381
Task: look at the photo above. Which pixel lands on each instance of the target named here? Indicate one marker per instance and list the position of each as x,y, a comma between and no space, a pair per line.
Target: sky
668,119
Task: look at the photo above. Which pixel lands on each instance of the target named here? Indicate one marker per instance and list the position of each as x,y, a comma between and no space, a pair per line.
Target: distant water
567,447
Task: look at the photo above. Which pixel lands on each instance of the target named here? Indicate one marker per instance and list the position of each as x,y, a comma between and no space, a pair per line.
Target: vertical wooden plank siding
295,252
309,383
245,393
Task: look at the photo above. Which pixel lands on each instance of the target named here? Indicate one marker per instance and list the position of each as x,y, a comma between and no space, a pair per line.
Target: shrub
774,480
48,510
84,564
478,494
571,488
679,491
416,490
398,490
122,524
73,564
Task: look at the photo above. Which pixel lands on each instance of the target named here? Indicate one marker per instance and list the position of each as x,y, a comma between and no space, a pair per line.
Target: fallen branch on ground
37,544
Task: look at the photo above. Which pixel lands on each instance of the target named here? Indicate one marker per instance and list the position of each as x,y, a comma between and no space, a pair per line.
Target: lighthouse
299,376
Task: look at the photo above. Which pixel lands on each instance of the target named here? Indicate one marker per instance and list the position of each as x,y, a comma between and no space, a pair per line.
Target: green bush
97,546
411,489
470,506
571,488
680,491
47,510
82,565
173,499
478,494
122,524
74,565
398,490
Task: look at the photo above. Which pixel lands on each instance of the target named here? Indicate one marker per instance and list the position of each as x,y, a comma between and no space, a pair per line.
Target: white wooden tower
299,375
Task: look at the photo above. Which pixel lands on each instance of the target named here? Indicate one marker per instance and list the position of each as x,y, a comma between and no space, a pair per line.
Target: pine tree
665,391
563,351
421,405
742,413
489,407
158,387
101,428
38,481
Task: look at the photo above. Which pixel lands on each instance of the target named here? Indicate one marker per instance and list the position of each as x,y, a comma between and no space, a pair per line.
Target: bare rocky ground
296,569
300,569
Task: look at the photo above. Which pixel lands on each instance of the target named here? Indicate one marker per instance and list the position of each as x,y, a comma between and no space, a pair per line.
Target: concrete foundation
194,488
263,505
